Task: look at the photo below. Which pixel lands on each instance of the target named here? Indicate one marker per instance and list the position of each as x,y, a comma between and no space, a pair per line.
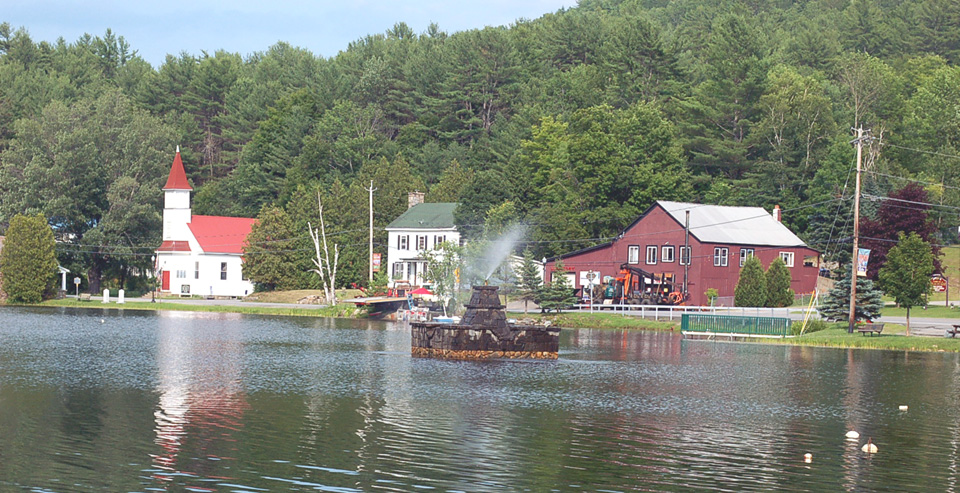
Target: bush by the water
813,325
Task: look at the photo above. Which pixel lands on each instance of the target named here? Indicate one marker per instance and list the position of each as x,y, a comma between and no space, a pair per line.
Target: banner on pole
376,262
863,256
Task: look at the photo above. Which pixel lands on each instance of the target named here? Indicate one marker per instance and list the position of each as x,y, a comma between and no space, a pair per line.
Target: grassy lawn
296,295
341,310
891,338
931,312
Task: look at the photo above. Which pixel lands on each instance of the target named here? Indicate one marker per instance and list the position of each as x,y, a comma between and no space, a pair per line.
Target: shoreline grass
338,311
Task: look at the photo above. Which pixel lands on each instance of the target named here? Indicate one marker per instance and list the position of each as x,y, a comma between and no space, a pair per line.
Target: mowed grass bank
340,310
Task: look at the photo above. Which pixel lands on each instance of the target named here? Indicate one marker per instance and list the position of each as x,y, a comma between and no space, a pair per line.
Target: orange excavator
635,286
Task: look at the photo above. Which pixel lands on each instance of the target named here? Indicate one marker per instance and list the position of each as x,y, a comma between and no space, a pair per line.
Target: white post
120,297
106,296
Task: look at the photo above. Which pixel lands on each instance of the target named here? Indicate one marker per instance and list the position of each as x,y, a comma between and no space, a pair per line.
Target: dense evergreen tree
777,280
751,287
28,263
836,304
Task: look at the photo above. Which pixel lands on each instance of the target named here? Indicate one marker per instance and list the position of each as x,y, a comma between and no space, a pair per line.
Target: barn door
165,280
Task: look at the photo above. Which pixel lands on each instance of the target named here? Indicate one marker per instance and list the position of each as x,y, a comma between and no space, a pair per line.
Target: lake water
95,400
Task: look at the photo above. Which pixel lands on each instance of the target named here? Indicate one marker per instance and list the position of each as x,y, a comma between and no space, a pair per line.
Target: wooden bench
953,331
873,328
84,296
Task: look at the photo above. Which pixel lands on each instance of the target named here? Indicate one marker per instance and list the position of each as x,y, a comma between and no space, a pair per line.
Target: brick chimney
414,198
776,213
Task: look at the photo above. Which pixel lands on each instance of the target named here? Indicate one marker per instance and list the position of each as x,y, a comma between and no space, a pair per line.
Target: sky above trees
324,27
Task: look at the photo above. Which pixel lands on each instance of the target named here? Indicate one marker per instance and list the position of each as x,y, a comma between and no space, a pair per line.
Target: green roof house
421,228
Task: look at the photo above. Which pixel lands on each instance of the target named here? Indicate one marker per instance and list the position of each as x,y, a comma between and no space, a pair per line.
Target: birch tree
324,268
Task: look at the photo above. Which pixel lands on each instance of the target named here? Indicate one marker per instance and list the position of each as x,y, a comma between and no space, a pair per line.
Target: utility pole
856,230
371,190
686,249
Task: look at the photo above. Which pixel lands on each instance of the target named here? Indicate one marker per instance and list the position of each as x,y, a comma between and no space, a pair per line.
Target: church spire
178,177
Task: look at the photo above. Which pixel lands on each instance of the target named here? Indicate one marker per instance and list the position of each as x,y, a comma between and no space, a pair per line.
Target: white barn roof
734,225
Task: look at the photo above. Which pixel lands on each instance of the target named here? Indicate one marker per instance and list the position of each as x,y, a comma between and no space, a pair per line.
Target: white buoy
853,435
808,457
869,447
903,408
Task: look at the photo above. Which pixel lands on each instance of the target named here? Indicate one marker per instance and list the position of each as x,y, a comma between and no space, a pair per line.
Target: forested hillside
573,123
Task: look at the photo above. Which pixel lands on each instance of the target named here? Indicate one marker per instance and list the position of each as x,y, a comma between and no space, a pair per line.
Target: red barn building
721,238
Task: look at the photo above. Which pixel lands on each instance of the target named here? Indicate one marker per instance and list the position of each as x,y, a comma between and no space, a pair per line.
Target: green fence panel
732,324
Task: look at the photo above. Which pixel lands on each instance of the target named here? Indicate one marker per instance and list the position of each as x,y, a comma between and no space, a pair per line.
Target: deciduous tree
906,273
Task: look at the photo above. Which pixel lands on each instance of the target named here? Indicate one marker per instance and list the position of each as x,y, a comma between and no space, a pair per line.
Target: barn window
666,254
684,255
633,254
196,270
787,258
223,271
651,254
745,253
720,256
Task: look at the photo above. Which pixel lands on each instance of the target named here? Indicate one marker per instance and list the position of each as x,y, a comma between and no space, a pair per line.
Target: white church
200,255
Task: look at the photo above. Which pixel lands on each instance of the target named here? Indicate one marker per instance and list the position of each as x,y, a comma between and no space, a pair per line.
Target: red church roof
219,234
178,177
174,246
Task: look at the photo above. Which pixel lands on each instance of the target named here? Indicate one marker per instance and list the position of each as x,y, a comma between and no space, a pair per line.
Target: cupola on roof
178,177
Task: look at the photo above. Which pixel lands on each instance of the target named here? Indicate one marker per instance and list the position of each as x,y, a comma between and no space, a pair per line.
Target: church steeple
178,177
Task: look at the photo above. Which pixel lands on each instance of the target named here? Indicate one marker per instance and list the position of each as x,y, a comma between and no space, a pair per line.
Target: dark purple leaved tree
903,211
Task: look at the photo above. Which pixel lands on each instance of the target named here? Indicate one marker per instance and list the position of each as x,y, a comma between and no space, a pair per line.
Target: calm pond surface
95,400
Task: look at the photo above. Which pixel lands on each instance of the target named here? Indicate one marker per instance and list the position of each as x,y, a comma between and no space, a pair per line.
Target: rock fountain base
484,333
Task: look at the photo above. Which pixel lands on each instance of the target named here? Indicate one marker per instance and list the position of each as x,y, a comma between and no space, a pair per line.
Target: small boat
446,320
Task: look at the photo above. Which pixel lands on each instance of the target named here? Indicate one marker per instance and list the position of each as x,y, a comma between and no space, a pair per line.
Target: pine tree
28,261
558,294
777,279
751,288
836,304
529,280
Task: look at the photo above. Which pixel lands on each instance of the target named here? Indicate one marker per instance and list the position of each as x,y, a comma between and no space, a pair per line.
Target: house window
182,274
787,258
666,254
411,271
421,242
651,254
745,253
223,271
397,270
404,242
720,256
684,255
438,240
196,270
633,254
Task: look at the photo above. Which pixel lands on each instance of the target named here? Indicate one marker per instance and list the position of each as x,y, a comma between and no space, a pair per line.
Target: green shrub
813,325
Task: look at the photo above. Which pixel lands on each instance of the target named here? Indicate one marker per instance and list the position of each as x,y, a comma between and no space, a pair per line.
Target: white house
200,255
421,228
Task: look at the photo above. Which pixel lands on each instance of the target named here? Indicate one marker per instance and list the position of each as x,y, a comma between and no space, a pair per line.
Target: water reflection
201,399
212,402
